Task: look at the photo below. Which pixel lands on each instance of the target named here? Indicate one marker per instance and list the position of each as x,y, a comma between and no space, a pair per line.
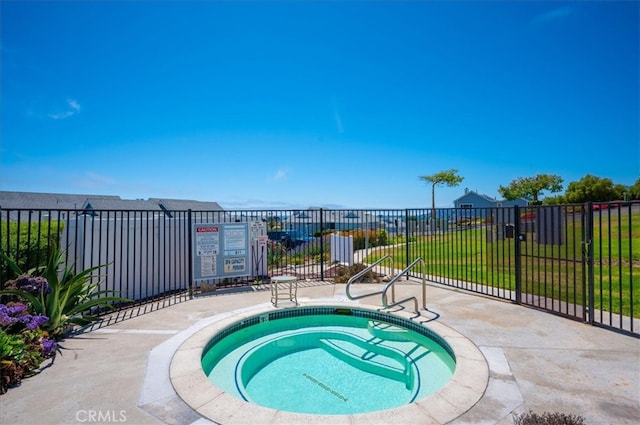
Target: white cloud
279,175
553,15
61,115
73,107
73,104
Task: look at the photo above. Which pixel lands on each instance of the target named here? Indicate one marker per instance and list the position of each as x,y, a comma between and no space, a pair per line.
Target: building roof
187,204
34,200
488,198
468,192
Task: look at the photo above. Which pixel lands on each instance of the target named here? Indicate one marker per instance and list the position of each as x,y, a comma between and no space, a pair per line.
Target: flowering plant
36,285
67,298
23,344
37,308
16,316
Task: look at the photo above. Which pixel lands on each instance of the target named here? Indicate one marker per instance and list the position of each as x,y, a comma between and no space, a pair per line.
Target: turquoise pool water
338,364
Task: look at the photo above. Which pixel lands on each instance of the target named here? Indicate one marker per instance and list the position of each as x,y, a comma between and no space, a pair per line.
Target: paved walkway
537,361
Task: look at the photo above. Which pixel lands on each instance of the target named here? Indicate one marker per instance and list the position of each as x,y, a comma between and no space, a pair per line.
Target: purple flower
5,319
16,313
11,314
49,345
37,285
16,309
35,321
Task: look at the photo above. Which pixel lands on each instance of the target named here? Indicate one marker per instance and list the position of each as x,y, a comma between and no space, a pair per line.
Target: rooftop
34,200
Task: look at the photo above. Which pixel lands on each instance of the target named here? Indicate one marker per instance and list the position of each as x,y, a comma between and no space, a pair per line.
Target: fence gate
552,258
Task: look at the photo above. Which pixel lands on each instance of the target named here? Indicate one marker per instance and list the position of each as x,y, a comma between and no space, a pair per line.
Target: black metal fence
580,261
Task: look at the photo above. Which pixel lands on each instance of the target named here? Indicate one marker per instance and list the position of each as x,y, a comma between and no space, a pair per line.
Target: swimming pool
190,382
327,360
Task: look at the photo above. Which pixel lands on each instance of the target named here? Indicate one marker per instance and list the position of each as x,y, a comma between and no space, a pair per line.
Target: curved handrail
398,276
362,273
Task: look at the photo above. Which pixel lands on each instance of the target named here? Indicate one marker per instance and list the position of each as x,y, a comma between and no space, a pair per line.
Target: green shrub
383,238
375,238
276,253
27,244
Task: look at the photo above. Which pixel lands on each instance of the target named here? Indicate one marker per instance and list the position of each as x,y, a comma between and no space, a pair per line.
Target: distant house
472,199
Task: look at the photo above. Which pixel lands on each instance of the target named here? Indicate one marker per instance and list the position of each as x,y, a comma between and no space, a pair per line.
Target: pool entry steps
390,285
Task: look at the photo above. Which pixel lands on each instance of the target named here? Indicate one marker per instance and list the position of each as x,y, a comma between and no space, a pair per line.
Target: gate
580,261
552,257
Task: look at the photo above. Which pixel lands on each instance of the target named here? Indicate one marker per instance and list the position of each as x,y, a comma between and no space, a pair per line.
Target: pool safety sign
221,250
235,265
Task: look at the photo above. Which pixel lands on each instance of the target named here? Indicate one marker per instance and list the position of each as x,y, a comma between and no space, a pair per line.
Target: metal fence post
588,253
517,253
406,236
321,244
190,253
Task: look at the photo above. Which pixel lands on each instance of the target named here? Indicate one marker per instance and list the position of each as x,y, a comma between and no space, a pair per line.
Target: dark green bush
375,238
27,244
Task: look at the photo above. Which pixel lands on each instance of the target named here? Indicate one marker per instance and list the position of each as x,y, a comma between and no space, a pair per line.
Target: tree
633,192
592,188
531,187
555,200
448,177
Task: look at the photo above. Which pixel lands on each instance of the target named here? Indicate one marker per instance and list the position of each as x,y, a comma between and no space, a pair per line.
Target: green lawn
554,271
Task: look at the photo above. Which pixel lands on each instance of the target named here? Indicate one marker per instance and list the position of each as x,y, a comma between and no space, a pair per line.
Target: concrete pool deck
536,361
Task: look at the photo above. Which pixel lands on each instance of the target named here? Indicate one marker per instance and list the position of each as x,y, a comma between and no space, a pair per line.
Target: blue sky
296,104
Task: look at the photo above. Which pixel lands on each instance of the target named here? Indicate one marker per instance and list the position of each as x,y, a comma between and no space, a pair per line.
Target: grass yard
560,272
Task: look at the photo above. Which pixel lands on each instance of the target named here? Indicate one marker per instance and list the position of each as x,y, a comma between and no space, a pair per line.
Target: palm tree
448,177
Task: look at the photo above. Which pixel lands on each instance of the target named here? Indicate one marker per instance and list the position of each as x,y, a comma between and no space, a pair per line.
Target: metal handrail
362,273
398,276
